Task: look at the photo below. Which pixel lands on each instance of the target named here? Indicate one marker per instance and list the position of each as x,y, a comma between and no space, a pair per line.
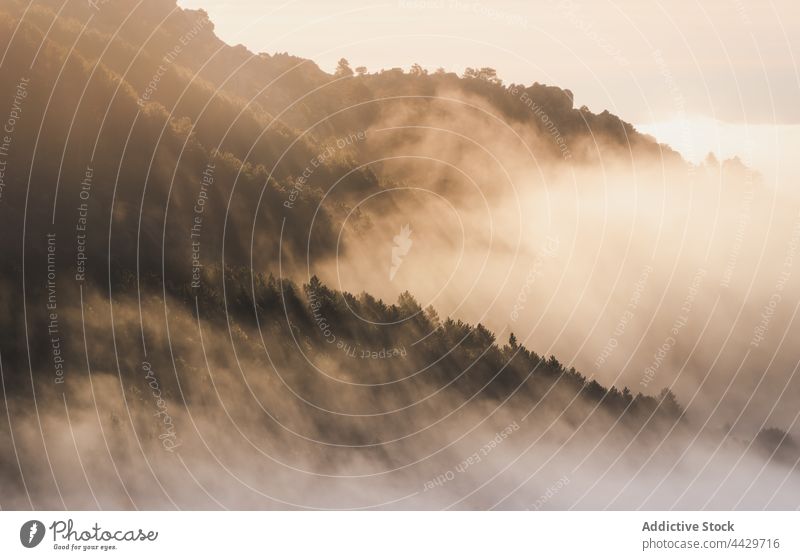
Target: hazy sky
649,61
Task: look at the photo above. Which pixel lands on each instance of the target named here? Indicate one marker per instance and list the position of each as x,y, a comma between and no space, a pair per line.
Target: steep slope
167,200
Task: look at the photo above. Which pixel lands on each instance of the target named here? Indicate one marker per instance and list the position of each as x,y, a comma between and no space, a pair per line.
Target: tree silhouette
417,70
486,74
343,68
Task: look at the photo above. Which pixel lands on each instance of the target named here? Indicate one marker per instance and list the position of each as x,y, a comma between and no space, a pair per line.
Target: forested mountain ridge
167,200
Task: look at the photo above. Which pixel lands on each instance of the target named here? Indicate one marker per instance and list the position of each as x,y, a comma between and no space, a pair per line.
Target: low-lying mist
171,429
643,271
232,280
